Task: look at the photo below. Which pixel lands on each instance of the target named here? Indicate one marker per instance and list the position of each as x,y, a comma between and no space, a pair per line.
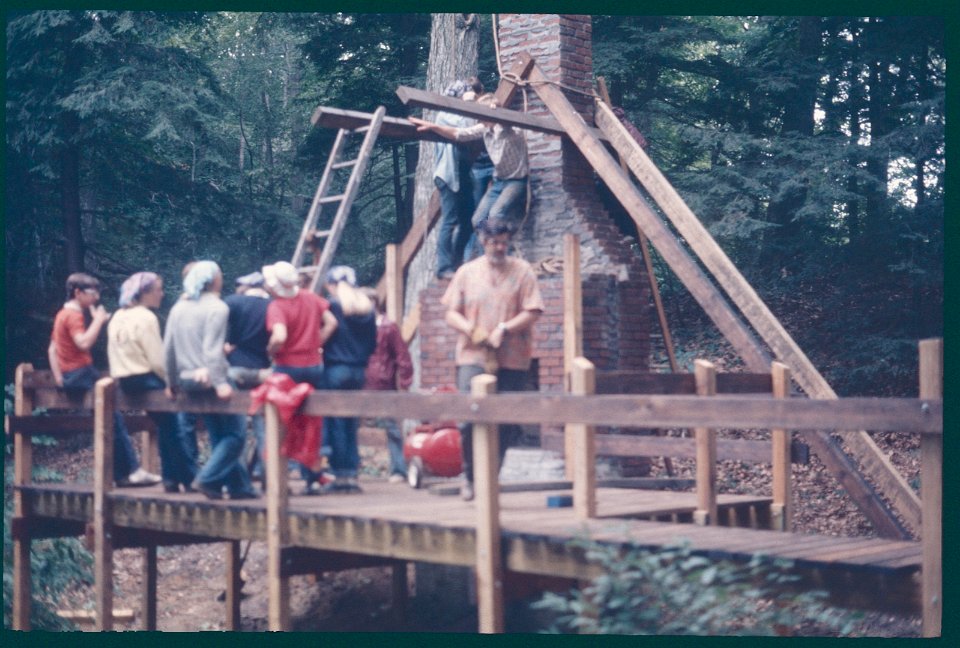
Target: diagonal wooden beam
875,464
716,307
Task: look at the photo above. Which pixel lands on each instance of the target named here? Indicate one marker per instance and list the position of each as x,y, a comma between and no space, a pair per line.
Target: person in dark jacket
389,369
345,357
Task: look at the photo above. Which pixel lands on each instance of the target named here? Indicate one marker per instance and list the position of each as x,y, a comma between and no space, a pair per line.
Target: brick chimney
616,308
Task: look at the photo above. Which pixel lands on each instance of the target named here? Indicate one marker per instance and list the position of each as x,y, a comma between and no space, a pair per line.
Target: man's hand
224,391
422,124
202,376
228,348
479,335
168,392
495,339
99,313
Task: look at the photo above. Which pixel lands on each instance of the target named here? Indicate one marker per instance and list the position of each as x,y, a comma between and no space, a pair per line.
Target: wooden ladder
331,236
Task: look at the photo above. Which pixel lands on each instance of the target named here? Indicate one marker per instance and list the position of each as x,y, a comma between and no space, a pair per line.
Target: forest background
812,148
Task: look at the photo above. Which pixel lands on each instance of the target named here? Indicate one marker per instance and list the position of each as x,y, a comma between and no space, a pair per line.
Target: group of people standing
474,183
216,345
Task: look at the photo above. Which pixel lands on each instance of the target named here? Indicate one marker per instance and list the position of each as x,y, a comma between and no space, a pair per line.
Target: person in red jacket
388,369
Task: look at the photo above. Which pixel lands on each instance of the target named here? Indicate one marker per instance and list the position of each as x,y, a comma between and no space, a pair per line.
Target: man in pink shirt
493,302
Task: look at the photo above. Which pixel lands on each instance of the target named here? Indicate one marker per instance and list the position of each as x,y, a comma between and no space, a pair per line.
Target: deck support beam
278,530
931,484
572,327
706,376
781,510
234,584
103,409
22,471
149,595
486,444
584,456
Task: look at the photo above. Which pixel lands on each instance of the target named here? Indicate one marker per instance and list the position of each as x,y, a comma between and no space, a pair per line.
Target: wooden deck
389,522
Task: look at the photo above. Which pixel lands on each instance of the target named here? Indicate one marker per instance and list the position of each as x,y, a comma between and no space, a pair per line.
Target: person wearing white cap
299,322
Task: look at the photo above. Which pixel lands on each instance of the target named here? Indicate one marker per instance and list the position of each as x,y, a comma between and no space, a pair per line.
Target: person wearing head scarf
345,361
195,361
135,352
72,366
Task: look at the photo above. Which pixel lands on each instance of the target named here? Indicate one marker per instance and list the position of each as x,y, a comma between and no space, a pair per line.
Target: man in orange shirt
72,366
493,302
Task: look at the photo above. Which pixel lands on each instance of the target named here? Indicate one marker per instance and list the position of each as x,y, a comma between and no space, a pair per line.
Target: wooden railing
582,411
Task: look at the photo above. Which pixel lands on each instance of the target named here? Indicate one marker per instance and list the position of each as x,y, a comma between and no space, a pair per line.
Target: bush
674,592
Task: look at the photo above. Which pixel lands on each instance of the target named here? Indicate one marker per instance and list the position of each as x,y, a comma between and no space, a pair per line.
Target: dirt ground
191,578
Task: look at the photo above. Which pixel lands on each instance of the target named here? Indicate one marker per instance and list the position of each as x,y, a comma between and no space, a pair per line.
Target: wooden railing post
234,585
931,488
584,455
705,375
572,326
278,531
22,470
104,405
149,601
486,444
394,275
781,510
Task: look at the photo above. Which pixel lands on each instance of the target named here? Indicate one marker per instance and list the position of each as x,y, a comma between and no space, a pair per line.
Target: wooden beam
22,470
706,513
393,297
781,510
473,110
104,405
643,382
572,325
584,455
706,294
510,81
234,594
63,424
393,127
649,445
278,528
149,592
931,484
486,468
874,463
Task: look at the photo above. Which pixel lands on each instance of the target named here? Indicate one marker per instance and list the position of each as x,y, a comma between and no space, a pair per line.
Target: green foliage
57,565
672,591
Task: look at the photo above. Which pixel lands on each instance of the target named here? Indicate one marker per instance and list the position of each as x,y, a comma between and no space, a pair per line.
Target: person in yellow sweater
135,352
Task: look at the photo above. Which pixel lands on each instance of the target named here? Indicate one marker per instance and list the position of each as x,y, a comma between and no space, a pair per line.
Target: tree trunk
70,193
453,55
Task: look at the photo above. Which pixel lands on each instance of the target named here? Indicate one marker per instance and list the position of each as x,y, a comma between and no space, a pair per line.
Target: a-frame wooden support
713,302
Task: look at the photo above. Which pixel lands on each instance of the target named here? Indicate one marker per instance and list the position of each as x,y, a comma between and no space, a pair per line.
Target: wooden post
150,587
104,404
931,488
234,585
400,592
22,470
781,510
278,529
487,489
584,456
706,378
149,450
572,326
394,274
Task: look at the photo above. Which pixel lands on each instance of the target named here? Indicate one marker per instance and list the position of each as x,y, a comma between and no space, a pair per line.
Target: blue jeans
125,460
508,380
449,220
398,465
177,464
224,467
341,433
316,376
504,201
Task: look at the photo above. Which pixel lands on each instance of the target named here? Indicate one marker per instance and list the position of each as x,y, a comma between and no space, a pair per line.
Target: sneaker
139,477
209,491
397,478
170,486
466,491
245,495
346,485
